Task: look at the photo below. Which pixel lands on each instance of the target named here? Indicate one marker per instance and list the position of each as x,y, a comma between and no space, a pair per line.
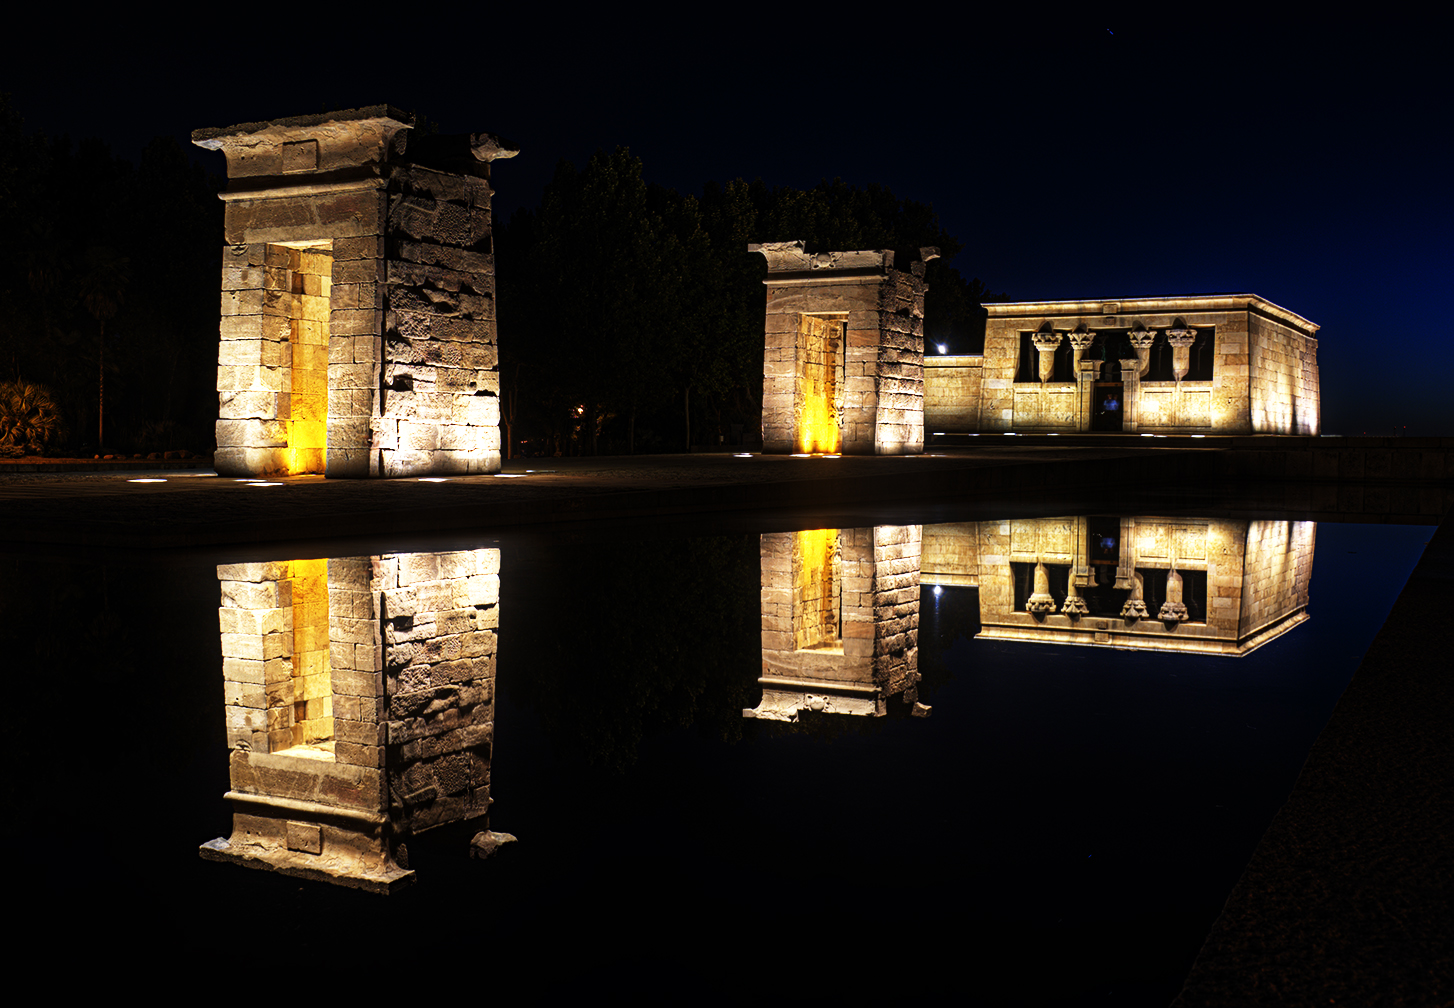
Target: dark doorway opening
1107,406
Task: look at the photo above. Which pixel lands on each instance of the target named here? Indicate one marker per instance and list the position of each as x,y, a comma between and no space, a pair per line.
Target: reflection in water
840,621
1210,586
359,706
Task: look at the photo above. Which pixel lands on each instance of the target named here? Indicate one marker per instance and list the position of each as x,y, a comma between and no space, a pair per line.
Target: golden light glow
820,364
817,592
312,670
311,280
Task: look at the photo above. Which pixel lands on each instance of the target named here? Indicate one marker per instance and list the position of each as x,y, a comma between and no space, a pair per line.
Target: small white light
938,433
742,454
433,479
1052,434
942,347
509,475
1148,435
801,455
938,591
263,483
1198,435
146,481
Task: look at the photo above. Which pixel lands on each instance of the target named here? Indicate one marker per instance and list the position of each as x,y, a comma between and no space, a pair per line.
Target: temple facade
1200,364
358,298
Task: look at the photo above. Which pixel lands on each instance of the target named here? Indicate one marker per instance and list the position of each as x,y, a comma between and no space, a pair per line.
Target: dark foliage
109,277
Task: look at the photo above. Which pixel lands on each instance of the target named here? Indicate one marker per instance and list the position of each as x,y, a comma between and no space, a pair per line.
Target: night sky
1308,165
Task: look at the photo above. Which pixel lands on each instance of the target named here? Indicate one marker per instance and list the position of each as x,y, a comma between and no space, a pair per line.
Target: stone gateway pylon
358,298
843,371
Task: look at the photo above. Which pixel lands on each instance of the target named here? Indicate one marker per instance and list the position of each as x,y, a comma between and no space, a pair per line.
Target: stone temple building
358,298
843,371
359,697
1198,364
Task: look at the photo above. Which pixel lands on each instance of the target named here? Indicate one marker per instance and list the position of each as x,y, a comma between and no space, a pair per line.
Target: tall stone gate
358,298
844,365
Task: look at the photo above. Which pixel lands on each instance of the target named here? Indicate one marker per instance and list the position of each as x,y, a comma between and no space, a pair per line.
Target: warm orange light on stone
818,591
820,364
312,673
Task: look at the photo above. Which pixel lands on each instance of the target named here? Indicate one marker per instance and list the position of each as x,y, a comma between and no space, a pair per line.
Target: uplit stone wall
880,404
405,316
876,655
408,653
1264,369
952,392
1282,378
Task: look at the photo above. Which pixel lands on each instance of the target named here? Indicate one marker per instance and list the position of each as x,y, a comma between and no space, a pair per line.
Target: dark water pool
1061,829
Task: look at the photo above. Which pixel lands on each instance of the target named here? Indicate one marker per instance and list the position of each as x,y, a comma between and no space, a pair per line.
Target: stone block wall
950,554
952,393
1276,573
881,402
1282,379
440,613
349,237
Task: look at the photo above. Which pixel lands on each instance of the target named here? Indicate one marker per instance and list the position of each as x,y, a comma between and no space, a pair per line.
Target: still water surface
1062,827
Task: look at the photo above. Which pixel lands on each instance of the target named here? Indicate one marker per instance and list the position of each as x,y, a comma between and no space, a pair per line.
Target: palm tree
29,417
101,288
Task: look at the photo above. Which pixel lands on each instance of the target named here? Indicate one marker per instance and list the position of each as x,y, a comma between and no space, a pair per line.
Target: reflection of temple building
1210,586
360,708
840,620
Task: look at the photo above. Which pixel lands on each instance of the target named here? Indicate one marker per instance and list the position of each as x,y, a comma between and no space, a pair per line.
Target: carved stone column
1041,601
1181,341
1126,558
1074,606
1135,607
1141,340
1172,610
1080,342
1132,368
1046,343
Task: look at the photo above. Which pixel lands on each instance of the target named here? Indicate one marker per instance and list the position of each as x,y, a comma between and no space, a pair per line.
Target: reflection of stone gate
358,320
360,708
840,621
844,365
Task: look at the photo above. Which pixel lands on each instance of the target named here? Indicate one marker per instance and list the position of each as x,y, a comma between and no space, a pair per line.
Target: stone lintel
1129,308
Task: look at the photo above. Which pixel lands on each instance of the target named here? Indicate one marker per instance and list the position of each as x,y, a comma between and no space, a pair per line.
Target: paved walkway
194,508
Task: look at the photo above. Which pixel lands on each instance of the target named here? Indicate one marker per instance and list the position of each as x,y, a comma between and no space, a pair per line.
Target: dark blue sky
1308,165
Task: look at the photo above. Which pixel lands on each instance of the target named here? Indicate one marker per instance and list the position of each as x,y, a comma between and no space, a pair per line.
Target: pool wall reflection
1209,586
359,708
840,620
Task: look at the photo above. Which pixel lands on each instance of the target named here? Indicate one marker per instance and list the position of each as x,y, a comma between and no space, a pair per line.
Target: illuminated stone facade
359,698
840,621
1206,586
844,352
1203,364
358,312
